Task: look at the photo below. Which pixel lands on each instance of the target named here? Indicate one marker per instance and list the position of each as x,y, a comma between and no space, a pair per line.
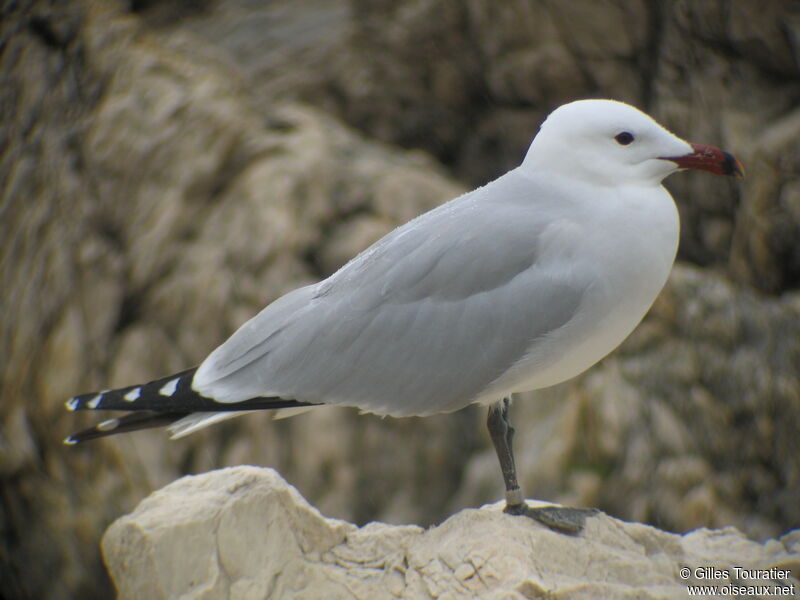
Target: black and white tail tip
168,394
156,404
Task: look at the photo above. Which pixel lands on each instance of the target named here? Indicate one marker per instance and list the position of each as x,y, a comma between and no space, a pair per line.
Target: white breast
626,248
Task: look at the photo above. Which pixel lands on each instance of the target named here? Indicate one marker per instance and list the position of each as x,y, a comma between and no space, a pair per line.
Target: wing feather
421,322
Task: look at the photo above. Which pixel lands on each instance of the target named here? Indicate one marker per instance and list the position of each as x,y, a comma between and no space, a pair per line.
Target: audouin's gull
518,285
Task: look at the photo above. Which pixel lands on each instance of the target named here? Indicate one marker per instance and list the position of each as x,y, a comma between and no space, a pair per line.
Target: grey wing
419,323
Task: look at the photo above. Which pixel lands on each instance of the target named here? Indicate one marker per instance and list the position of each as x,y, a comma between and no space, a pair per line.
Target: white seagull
518,285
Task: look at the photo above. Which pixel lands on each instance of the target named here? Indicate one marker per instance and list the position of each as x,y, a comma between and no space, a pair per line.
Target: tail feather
172,394
161,402
124,424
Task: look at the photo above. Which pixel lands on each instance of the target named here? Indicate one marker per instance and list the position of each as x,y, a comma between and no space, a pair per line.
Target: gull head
606,142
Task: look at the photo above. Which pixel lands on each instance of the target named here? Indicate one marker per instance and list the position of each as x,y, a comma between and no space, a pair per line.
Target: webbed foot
559,518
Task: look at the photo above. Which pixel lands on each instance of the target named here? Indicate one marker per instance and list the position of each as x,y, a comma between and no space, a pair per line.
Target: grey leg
567,520
502,434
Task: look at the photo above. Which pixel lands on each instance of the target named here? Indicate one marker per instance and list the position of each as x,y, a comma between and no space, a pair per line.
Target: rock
245,533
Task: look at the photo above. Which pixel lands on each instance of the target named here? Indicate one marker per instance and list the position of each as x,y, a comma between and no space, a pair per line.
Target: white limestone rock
244,533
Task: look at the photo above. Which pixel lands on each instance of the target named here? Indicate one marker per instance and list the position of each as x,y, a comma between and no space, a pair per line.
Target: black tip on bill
731,166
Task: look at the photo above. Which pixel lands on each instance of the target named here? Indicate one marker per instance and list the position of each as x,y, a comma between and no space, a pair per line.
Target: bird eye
624,138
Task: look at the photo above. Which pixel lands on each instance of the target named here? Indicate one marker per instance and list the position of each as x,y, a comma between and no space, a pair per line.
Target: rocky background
167,168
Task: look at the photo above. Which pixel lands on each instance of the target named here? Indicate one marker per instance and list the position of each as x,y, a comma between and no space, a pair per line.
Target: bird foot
559,518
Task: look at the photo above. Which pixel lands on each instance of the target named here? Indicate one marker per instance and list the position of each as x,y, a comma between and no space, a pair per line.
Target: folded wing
419,323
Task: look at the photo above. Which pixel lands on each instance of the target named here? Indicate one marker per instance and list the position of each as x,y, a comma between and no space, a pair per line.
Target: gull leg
564,519
502,434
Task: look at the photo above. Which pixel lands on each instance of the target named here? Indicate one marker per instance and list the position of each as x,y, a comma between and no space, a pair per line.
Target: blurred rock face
471,81
165,174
